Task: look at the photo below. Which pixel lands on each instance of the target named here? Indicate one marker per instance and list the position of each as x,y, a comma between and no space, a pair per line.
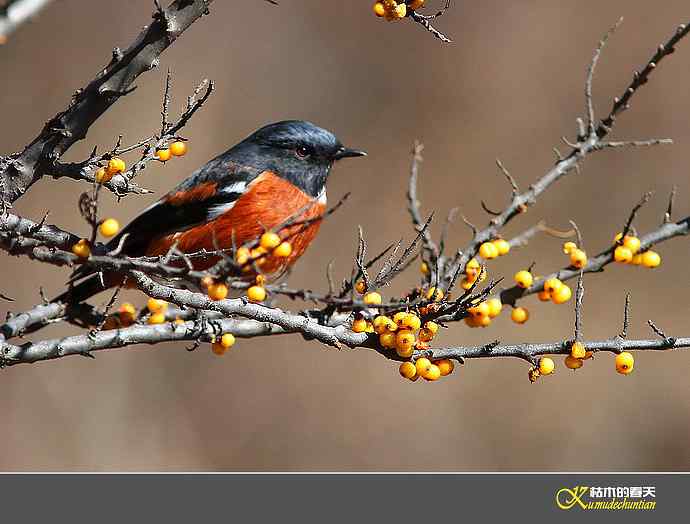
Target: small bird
277,174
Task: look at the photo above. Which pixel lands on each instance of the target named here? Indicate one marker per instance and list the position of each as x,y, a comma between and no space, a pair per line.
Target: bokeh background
509,86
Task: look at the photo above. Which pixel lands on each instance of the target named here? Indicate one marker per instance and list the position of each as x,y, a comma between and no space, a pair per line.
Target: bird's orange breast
268,203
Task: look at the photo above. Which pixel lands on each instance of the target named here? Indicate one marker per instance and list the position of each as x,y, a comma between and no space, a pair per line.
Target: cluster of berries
177,148
483,313
628,252
107,228
218,290
114,167
578,257
625,362
393,10
269,243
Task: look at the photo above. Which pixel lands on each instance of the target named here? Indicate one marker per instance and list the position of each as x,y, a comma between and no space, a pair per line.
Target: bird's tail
84,290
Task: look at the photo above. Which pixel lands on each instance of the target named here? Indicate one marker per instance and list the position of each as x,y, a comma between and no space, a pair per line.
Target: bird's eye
303,152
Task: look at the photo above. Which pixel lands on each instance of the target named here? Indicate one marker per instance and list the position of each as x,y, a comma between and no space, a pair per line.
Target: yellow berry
227,340
578,258
637,260
256,294
432,373
573,363
569,247
625,363
425,335
157,318
405,339
495,307
484,321
382,324
128,308
242,255
651,259
432,326
519,315
102,176
379,9
434,294
577,350
361,287
178,148
217,291
552,285
466,284
269,240
156,306
373,299
632,243
424,268
284,250
422,364
359,325
412,322
416,4
480,310
408,370
400,11
445,366
524,279
163,155
544,296
115,166
546,366
258,253
488,251
82,248
387,340
563,294
622,255
399,317
109,227
502,245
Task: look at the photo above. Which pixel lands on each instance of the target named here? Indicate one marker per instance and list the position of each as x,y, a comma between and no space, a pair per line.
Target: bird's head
298,151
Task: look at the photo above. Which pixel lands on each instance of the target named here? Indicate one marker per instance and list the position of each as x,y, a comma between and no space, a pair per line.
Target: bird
275,175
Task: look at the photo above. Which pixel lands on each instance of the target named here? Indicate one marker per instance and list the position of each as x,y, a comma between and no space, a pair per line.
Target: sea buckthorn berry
622,255
370,327
472,268
632,243
128,308
109,227
577,350
637,260
432,373
524,279
257,252
382,324
563,294
127,314
445,366
387,340
488,251
405,339
578,258
227,340
412,322
218,349
217,291
242,255
400,11
424,268
425,335
546,366
466,284
552,285
573,363
625,363
284,250
434,294
432,326
472,322
379,9
651,259
399,317
408,370
163,155
115,166
495,307
359,325
404,352
519,315
416,4
156,306
257,294
178,148
373,299
102,176
569,247
544,296
502,245
82,248
205,282
269,240
157,318
361,287
480,310
484,321
422,364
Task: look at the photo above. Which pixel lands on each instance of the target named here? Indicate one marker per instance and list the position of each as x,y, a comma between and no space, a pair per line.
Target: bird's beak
345,152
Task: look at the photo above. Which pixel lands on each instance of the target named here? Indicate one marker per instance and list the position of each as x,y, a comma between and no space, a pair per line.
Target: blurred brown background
510,86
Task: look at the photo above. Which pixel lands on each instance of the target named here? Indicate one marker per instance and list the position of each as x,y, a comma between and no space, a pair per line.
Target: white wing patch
232,192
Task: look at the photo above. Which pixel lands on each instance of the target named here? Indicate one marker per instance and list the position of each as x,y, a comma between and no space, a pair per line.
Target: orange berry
373,299
82,248
405,339
218,349
157,318
622,255
422,364
524,279
632,243
546,366
637,260
269,240
544,296
488,251
577,350
552,285
109,227
227,340
163,155
502,245
578,258
379,9
495,307
387,340
217,291
446,366
432,373
519,315
257,294
425,335
412,322
573,363
424,268
569,247
651,259
625,363
178,148
408,370
115,166
361,287
563,294
284,250
359,325
242,255
102,176
382,324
